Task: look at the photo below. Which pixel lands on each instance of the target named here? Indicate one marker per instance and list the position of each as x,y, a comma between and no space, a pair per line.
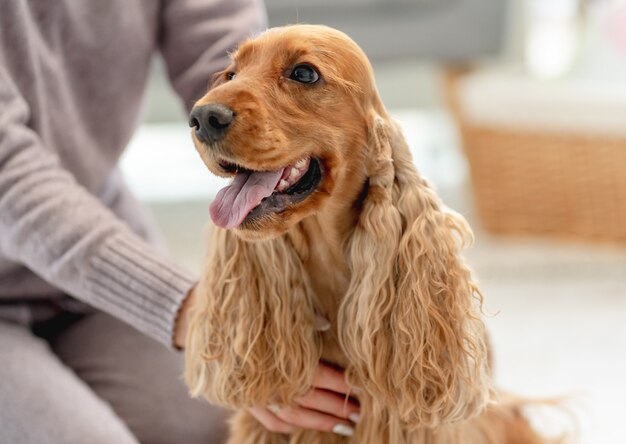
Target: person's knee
43,402
203,425
141,380
65,431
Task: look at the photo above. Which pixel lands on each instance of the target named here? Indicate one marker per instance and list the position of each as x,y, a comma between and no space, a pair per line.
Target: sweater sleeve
54,226
196,36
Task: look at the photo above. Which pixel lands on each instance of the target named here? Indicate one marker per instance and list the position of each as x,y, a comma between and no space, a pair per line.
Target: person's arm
196,35
55,227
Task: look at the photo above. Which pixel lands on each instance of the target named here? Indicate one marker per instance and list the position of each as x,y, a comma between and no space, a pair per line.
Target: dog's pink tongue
233,202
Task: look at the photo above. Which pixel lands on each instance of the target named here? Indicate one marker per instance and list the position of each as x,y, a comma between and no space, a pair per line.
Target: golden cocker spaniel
327,215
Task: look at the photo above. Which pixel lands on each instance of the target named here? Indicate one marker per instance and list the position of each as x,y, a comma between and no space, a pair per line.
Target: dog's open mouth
253,194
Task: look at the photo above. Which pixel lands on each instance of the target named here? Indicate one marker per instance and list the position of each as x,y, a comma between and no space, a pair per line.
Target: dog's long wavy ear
251,340
410,320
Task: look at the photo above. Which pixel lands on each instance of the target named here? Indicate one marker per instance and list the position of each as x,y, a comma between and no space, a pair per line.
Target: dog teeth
294,173
282,185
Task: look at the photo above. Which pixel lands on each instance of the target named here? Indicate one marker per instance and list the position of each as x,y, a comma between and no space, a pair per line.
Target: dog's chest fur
329,277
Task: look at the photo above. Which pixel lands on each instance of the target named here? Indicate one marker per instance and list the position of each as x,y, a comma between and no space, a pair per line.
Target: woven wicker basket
544,183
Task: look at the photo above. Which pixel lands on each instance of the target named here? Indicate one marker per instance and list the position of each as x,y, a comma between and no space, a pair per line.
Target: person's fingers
329,402
270,421
324,408
311,419
328,378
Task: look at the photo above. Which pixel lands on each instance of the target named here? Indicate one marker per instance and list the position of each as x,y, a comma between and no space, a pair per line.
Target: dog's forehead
265,50
291,43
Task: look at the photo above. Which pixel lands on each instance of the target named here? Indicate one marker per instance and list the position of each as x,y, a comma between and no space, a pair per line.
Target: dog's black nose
211,121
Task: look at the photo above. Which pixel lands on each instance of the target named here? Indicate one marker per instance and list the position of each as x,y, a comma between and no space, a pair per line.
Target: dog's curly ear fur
251,339
409,323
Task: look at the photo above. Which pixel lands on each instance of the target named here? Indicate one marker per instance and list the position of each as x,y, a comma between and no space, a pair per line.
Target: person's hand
325,407
183,318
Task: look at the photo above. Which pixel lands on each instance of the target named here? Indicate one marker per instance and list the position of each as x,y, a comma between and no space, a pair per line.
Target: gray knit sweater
72,76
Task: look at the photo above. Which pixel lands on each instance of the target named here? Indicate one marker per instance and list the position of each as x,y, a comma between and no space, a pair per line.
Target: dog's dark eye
231,75
304,74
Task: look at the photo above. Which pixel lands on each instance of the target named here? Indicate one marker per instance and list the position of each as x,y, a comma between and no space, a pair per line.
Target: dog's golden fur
372,250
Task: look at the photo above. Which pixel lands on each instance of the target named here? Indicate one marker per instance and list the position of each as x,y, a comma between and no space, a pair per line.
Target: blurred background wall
527,140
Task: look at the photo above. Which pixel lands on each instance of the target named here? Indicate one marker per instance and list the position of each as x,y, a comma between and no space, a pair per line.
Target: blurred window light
552,35
615,23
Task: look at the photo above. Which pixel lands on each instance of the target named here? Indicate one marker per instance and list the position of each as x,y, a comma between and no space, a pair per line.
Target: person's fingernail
343,430
274,408
321,323
354,417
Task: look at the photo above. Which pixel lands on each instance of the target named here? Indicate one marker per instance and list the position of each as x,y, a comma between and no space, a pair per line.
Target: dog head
288,121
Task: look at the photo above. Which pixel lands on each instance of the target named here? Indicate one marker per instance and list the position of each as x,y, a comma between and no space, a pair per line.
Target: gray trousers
91,379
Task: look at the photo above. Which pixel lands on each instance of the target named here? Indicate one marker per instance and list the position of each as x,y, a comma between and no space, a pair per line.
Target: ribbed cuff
135,283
